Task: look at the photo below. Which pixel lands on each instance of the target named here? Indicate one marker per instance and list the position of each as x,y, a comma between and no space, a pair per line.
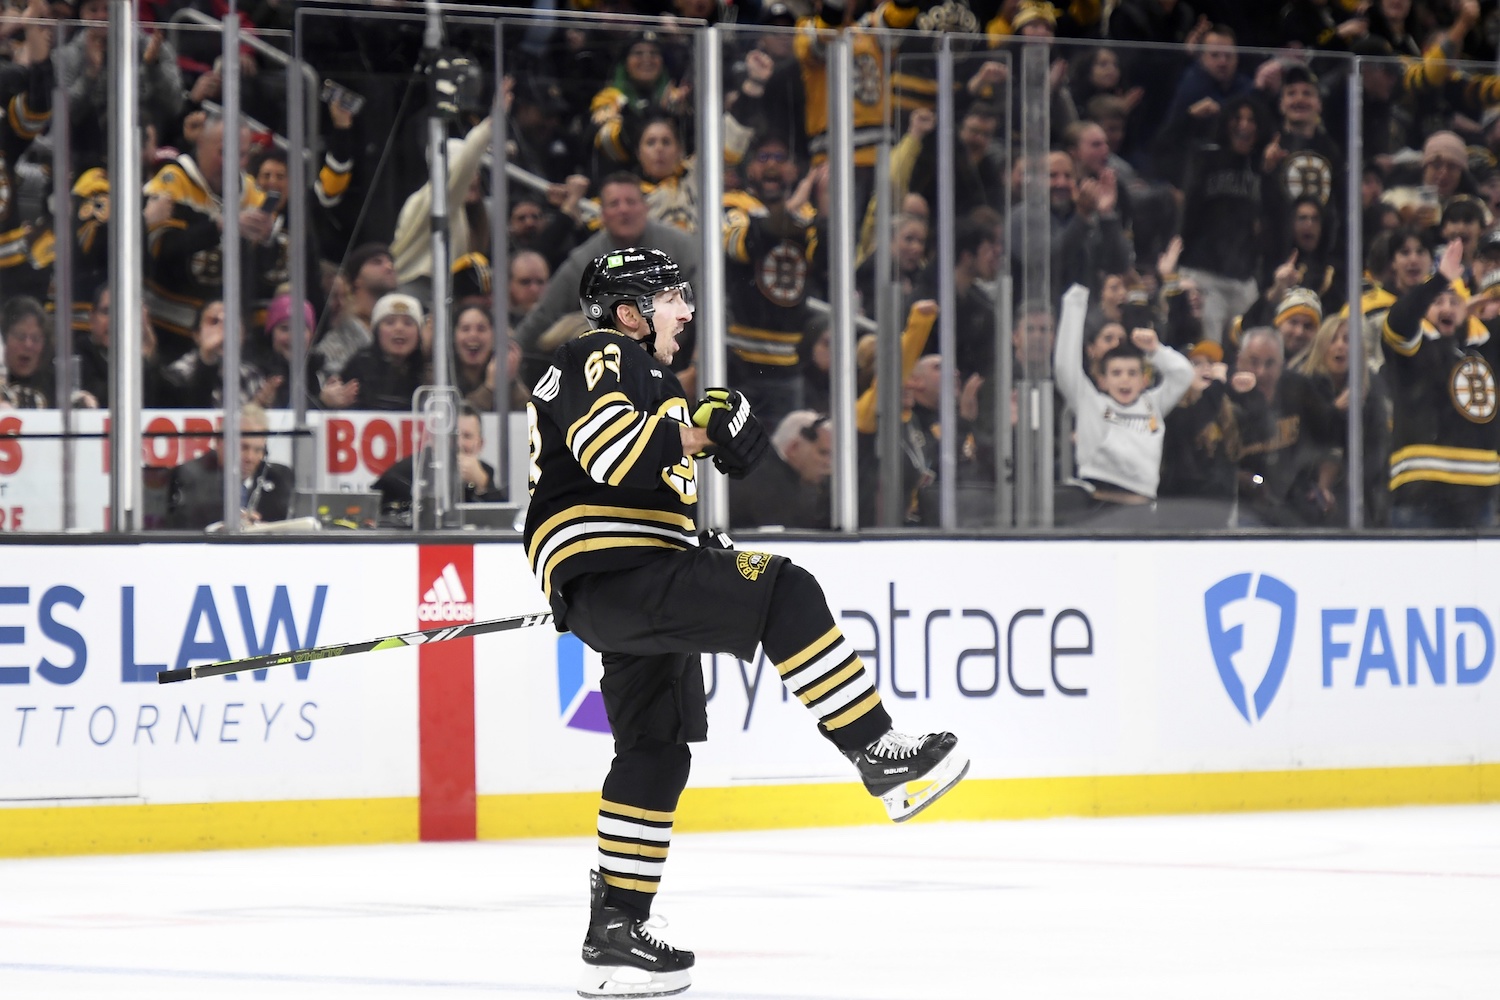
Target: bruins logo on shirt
782,276
1472,386
207,266
280,270
1308,173
752,564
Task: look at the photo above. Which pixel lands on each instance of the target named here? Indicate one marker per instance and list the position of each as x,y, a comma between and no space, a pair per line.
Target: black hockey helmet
634,275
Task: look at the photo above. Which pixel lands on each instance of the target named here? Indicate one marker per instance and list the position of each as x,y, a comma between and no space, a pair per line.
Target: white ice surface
1399,904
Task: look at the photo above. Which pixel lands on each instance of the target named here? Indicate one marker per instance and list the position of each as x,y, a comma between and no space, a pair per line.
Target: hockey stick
346,649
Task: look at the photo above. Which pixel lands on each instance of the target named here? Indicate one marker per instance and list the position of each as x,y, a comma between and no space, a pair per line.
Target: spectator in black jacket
1201,448
476,477
390,370
195,498
1303,161
1222,213
92,356
272,357
790,487
196,380
1156,68
1206,89
1286,426
29,379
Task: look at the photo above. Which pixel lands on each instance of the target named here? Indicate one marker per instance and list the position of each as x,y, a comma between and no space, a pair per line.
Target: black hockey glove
740,441
713,538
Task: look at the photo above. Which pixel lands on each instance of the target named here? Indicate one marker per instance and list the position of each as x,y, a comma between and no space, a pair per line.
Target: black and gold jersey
1444,432
26,95
870,86
610,487
766,275
184,257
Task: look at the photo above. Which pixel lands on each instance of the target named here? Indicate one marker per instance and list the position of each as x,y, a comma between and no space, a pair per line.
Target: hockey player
611,539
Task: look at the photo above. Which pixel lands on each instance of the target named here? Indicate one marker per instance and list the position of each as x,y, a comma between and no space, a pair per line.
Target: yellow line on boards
132,829
768,807
124,829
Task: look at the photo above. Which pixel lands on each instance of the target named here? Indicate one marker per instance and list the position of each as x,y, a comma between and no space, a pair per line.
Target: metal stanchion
125,242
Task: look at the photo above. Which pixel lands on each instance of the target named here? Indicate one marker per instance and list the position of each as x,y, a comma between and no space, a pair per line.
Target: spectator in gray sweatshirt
1121,421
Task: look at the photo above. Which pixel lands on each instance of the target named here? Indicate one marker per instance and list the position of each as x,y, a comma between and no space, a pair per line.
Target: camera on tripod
456,83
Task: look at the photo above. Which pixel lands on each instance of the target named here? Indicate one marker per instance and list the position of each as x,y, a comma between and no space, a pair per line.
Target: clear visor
647,305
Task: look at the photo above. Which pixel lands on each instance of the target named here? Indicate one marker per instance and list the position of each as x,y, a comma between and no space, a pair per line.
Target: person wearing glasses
790,488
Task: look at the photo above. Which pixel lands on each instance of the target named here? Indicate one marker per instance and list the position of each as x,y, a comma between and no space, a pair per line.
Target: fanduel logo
1228,641
446,600
579,708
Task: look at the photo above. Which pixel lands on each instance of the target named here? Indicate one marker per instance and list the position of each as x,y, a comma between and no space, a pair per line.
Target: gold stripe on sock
853,712
635,812
815,648
641,850
639,885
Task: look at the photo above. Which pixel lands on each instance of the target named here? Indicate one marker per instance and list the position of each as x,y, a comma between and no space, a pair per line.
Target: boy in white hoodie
1121,423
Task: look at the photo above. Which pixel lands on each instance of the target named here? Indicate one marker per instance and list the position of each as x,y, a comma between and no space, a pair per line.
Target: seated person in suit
790,487
196,490
476,475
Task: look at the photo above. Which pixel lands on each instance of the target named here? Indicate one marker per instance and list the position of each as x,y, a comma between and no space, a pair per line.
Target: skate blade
628,981
911,797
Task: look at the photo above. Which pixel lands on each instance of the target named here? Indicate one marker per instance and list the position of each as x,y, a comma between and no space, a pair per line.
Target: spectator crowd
1198,185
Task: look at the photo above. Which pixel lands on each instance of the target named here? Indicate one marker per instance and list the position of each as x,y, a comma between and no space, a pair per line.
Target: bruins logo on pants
752,564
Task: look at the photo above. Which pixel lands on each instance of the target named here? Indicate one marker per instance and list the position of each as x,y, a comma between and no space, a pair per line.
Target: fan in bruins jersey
26,95
1441,370
612,540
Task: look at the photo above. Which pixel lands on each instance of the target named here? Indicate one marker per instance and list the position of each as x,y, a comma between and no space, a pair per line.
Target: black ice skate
910,773
621,958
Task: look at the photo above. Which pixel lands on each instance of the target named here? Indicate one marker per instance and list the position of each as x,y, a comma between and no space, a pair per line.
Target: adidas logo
446,600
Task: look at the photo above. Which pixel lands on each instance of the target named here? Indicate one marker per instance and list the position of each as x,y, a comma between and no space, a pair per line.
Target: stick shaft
348,649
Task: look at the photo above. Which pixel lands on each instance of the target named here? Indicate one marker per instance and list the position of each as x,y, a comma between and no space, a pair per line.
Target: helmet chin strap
649,343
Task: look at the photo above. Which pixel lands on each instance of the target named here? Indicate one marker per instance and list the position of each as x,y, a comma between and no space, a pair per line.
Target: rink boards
1084,678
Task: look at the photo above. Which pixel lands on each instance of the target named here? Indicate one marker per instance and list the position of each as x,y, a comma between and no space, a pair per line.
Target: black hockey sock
635,821
818,665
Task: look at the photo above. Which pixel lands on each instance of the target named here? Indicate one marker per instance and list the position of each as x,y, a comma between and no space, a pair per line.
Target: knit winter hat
1300,300
396,304
1206,349
280,310
1031,11
1446,146
362,255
